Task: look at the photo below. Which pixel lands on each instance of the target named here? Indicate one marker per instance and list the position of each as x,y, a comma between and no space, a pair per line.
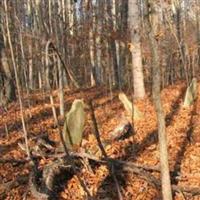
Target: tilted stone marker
191,93
74,124
129,107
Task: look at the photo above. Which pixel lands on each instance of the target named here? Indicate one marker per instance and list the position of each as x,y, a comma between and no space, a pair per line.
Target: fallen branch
115,161
110,165
5,187
194,191
141,170
12,160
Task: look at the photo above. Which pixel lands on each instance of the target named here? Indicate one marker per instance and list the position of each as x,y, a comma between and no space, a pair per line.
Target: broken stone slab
129,107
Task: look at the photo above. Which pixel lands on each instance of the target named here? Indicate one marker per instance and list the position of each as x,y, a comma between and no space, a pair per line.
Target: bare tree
151,28
137,68
17,81
7,87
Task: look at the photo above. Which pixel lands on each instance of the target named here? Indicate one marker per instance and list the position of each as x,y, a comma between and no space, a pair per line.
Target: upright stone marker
129,107
74,124
191,93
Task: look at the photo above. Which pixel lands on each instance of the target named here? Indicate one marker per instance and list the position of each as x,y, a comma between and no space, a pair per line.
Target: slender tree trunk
177,11
9,93
70,16
137,68
98,67
61,92
7,88
17,81
91,45
50,15
114,47
123,51
92,60
165,176
30,65
198,28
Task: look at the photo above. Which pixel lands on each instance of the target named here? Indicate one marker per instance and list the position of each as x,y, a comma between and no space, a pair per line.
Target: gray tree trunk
113,45
137,68
165,176
61,92
7,89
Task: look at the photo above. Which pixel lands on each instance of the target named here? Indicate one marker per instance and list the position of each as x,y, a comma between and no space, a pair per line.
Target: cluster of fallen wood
46,183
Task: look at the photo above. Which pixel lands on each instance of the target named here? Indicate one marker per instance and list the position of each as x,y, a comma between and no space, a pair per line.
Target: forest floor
182,127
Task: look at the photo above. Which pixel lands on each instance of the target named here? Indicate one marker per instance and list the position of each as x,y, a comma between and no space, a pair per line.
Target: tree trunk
165,176
98,67
123,51
61,92
17,81
113,45
8,88
92,49
198,28
30,64
177,11
137,68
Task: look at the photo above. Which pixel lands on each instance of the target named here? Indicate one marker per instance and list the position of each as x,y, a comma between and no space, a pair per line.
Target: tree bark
165,176
113,45
17,81
198,28
61,92
137,68
7,91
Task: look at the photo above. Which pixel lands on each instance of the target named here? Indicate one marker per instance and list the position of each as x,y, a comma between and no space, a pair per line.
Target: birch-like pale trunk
113,44
137,68
30,65
92,59
61,92
70,16
50,15
123,51
91,19
98,23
